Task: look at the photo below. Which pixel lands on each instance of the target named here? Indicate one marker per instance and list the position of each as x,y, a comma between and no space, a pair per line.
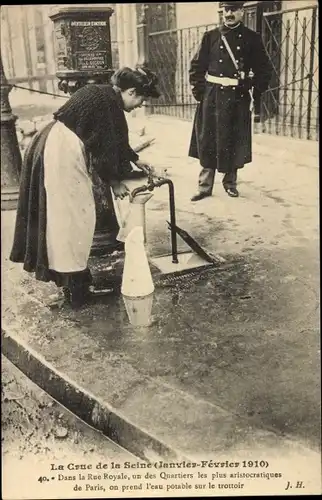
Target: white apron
70,202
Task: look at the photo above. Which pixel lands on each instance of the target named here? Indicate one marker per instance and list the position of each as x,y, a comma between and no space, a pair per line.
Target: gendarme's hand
245,84
120,190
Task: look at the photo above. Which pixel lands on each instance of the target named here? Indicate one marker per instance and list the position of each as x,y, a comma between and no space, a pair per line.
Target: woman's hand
145,167
148,169
120,190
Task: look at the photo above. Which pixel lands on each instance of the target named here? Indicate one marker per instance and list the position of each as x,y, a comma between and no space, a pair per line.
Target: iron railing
290,107
170,53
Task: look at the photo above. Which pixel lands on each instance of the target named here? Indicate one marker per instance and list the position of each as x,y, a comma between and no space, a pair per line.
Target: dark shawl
95,114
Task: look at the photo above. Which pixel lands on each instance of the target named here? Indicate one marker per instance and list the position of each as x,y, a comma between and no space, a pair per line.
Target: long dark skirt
29,245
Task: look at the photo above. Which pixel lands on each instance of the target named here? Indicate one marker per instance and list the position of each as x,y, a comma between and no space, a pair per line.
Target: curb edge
94,412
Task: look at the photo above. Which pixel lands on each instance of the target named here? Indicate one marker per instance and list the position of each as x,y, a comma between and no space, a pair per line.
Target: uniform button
236,60
239,36
221,88
220,60
221,74
235,74
221,46
234,88
238,48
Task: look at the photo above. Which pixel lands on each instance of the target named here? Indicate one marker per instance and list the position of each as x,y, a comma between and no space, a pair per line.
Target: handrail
187,28
287,11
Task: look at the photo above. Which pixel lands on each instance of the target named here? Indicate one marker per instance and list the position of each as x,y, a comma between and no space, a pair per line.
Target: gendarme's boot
200,196
232,191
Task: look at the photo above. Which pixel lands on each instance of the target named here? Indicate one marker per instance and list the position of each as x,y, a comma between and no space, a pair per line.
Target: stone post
10,152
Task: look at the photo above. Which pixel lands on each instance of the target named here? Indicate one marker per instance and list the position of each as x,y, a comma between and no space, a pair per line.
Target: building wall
12,42
298,4
196,13
125,15
202,13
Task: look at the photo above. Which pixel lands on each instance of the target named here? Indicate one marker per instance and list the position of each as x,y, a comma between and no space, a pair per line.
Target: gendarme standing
228,74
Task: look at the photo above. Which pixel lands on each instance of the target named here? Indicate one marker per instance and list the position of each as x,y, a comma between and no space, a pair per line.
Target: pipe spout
152,183
140,189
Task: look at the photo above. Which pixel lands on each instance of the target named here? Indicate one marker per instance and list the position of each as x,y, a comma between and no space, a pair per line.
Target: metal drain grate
184,280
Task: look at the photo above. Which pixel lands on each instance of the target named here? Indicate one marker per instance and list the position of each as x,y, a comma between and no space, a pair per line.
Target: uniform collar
227,29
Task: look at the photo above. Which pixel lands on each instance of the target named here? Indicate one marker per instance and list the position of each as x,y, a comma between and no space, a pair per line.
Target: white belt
229,82
222,80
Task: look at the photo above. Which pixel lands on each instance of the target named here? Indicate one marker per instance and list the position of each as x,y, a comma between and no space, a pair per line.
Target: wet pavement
230,362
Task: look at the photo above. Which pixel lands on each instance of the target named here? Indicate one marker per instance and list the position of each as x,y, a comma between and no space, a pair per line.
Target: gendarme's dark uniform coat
221,137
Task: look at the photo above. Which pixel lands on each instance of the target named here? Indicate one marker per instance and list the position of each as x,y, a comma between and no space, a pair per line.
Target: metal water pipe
150,187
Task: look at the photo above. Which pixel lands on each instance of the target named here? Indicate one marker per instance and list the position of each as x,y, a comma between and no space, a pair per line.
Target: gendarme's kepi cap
236,5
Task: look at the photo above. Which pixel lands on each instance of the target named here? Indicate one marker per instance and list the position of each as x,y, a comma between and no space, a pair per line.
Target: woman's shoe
66,293
60,300
79,296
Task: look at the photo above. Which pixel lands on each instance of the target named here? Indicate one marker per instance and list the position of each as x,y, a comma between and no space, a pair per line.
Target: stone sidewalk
230,364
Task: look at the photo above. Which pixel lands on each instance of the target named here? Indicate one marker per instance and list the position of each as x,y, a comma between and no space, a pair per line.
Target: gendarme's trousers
207,179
